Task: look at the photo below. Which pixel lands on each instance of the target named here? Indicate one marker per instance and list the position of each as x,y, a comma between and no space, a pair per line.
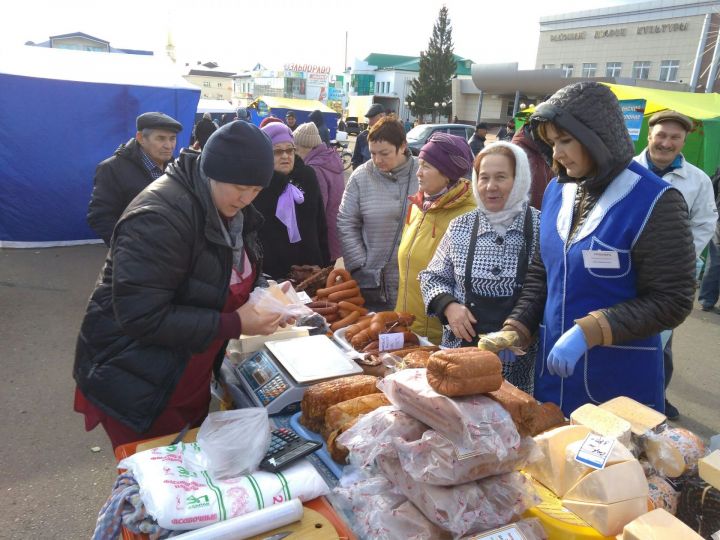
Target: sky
239,34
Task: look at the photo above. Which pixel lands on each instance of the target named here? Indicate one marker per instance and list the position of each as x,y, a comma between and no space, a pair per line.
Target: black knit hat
238,153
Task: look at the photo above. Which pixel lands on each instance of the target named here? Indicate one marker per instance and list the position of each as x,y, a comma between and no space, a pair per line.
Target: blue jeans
710,287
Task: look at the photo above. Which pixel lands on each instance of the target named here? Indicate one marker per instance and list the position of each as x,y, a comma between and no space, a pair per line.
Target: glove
566,352
507,356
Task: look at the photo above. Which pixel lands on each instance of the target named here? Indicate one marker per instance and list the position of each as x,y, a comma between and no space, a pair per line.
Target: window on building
548,66
567,70
613,69
589,69
219,85
510,107
220,96
641,69
377,87
669,70
206,84
387,87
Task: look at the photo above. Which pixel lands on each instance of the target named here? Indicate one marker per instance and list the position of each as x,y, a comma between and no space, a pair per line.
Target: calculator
286,447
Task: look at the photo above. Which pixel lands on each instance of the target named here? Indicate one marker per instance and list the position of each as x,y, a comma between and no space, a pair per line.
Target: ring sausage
341,273
342,295
345,285
342,323
343,304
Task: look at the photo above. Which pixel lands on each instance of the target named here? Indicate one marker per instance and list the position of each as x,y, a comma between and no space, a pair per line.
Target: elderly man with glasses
295,231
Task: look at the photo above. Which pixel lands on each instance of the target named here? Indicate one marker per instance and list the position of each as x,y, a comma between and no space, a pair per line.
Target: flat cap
374,110
671,116
157,120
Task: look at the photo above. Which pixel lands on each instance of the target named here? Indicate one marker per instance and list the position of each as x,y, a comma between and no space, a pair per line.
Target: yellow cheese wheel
674,451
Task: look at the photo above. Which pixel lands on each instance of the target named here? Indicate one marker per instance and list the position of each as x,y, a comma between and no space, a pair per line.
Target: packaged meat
373,434
319,397
530,417
464,372
341,413
467,508
699,506
462,419
434,459
406,522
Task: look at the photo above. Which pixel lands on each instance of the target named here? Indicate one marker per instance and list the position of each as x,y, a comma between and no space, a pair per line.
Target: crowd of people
556,233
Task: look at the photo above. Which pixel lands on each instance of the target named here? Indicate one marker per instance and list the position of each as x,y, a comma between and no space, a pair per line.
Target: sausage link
342,295
339,287
342,323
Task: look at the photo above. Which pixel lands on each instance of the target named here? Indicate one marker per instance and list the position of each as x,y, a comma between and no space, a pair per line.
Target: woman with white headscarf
476,275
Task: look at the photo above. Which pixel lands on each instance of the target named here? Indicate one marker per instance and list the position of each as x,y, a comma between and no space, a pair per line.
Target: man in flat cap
133,166
667,133
362,150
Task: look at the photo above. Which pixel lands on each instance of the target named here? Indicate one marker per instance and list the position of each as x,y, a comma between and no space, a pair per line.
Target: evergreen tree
437,66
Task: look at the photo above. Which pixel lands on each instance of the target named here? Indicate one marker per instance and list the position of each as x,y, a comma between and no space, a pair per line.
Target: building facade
79,41
213,83
667,41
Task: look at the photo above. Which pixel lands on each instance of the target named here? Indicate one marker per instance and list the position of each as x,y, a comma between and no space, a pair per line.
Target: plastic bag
281,300
223,437
434,460
466,508
374,432
181,495
498,341
463,420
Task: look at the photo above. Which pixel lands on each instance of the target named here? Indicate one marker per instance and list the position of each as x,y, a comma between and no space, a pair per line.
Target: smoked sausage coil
341,273
339,287
342,323
342,295
343,304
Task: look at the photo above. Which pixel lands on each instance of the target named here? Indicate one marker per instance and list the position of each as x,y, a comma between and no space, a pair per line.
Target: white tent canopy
214,106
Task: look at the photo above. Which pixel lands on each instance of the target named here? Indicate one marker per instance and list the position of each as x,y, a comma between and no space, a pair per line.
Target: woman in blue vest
616,261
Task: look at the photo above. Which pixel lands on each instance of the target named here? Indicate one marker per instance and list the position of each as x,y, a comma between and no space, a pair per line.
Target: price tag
304,298
391,341
510,532
595,450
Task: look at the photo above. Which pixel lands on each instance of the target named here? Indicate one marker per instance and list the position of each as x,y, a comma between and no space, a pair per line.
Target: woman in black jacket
615,265
295,231
183,261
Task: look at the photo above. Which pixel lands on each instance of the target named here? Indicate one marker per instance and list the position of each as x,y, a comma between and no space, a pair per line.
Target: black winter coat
279,253
159,296
118,180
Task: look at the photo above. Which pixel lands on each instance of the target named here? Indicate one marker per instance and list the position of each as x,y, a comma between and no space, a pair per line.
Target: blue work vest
633,368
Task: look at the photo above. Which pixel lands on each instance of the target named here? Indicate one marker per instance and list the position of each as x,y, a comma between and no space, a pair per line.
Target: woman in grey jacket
372,210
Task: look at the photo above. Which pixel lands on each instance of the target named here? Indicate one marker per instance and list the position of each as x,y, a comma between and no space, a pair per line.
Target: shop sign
568,36
662,28
633,110
308,68
599,34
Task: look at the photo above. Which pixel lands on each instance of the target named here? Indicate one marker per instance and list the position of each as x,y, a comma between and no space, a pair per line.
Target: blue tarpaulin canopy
62,112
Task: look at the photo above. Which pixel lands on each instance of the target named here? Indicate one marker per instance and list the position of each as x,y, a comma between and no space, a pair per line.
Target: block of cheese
550,470
602,422
658,525
574,470
612,484
641,417
709,469
608,519
674,451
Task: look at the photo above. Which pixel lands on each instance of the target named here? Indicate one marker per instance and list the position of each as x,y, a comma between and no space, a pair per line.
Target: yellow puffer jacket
421,235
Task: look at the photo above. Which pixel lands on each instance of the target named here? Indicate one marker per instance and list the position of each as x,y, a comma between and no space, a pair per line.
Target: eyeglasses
279,152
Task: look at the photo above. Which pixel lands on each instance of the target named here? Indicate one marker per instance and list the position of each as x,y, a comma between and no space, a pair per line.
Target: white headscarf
519,194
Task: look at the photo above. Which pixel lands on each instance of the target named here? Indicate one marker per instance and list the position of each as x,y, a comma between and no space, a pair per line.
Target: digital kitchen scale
276,376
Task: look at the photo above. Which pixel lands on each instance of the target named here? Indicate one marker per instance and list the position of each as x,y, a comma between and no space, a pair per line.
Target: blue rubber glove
566,352
507,356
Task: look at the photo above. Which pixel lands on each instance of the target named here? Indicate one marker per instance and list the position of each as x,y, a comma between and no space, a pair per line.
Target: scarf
285,211
428,200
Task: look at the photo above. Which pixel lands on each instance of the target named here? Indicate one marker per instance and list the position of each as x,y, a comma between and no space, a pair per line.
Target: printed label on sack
304,298
389,342
608,260
511,532
595,450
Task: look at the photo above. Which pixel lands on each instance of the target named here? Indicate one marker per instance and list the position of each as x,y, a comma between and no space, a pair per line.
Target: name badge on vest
601,259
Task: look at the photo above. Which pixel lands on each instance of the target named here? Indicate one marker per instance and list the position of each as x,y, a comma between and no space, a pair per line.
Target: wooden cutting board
312,526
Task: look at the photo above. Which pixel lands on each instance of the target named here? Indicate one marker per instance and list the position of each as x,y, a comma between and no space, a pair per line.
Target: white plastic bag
281,300
180,495
234,442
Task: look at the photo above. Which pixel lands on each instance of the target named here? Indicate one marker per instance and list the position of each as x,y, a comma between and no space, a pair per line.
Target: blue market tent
278,106
62,112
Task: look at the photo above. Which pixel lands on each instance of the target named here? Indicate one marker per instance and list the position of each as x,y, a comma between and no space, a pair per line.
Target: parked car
352,127
419,135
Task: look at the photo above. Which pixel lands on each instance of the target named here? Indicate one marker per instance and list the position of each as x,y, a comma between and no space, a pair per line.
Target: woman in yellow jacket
443,194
